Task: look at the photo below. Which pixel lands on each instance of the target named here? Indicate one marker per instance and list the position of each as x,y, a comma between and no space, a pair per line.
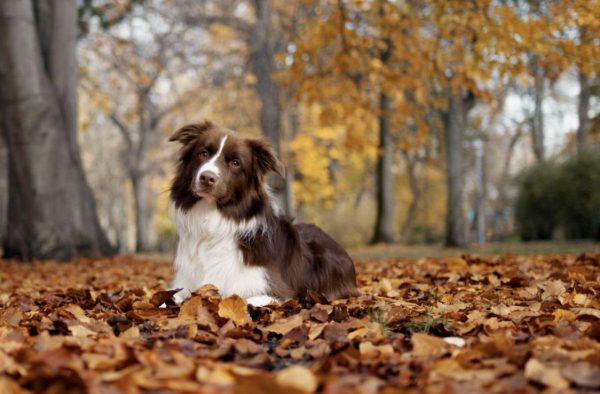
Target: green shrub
579,185
537,201
560,196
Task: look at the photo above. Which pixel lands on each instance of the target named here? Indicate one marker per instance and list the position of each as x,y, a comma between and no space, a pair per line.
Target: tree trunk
479,145
51,209
289,131
384,224
3,184
537,122
414,203
454,123
583,110
143,217
262,52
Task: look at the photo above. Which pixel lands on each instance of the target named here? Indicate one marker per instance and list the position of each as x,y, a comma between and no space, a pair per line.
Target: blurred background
398,121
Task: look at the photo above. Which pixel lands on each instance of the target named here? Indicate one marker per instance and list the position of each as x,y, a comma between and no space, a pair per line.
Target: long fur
232,235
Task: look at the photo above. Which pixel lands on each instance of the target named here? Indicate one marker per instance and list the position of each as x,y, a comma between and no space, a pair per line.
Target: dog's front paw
262,300
182,295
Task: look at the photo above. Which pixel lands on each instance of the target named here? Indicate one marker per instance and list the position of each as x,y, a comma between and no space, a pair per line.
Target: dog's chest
208,253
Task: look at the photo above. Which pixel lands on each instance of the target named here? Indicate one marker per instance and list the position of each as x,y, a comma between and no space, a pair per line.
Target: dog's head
217,164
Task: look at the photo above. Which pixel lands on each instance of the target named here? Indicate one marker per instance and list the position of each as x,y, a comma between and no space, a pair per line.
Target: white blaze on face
210,164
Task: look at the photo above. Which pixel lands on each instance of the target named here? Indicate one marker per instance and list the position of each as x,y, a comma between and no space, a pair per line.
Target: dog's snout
208,178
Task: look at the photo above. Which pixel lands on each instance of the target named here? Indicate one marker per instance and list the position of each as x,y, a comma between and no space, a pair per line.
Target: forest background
406,121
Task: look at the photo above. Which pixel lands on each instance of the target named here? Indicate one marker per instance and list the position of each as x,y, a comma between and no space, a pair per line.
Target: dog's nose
208,178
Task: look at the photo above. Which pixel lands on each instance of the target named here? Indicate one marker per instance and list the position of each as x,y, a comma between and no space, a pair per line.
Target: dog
232,234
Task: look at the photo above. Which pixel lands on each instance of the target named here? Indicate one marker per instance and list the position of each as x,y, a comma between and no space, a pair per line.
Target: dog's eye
204,154
235,163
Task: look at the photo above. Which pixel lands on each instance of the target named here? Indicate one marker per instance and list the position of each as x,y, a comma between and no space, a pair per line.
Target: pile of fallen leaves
463,324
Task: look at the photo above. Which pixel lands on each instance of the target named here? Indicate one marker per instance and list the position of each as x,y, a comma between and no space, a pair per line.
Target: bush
537,201
563,196
579,183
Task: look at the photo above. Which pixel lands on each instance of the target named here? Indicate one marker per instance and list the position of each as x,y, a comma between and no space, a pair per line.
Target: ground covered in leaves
520,324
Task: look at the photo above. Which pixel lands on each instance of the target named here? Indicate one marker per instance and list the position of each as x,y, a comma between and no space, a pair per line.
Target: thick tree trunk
51,210
3,184
537,122
262,51
454,123
583,110
384,223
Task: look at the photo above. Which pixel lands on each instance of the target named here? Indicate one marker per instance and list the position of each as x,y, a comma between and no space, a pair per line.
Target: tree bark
384,223
290,130
583,110
51,209
3,183
143,241
415,189
454,124
537,121
262,61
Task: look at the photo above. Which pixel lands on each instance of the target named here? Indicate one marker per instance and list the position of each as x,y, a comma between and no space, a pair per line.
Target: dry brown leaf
219,375
427,346
544,374
283,326
78,330
299,378
235,309
468,324
369,351
587,312
583,374
133,332
554,288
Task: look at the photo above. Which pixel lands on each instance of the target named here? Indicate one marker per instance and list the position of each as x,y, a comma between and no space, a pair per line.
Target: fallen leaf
219,376
427,346
234,308
544,374
554,288
298,377
283,326
583,374
369,351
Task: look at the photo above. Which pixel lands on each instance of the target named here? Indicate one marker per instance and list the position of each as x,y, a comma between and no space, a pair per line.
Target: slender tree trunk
262,51
290,129
415,189
537,122
51,209
143,217
454,123
480,170
583,110
384,224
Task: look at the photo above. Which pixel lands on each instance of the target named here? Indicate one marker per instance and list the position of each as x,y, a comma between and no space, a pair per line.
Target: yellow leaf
563,314
234,308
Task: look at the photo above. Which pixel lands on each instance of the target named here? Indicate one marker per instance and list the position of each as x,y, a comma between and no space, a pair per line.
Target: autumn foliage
455,324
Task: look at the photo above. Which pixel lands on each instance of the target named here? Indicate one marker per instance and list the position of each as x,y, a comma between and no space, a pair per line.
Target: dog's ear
189,133
265,157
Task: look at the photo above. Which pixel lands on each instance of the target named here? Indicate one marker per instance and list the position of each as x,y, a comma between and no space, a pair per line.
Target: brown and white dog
232,235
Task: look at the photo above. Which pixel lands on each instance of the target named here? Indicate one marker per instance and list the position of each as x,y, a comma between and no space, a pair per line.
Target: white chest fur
208,252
